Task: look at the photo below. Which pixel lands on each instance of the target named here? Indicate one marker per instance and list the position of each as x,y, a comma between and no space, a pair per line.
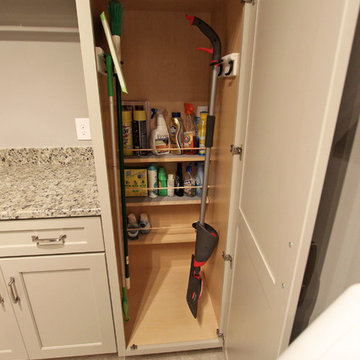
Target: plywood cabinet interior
161,65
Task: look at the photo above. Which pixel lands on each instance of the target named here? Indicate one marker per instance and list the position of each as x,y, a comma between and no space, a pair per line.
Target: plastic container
127,131
190,137
144,223
139,130
159,138
162,181
189,181
179,180
199,179
176,133
171,183
153,181
202,132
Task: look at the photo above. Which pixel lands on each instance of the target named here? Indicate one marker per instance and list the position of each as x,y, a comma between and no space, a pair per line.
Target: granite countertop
47,183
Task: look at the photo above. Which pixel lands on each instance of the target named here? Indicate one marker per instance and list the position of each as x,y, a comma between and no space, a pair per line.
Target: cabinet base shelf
168,236
163,200
160,313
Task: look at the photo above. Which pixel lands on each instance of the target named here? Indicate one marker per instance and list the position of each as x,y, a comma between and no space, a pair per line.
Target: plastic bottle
189,181
199,179
190,138
162,181
152,181
127,131
176,133
199,110
179,180
139,130
202,132
159,138
170,183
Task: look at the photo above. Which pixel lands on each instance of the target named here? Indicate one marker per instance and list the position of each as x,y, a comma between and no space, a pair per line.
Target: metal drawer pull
14,294
49,241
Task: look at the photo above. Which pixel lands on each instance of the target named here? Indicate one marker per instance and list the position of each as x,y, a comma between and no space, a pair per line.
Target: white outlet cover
83,128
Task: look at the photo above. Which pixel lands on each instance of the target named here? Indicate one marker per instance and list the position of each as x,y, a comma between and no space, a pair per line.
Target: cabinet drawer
50,236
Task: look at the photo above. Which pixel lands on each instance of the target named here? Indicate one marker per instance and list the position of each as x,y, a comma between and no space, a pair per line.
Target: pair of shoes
132,223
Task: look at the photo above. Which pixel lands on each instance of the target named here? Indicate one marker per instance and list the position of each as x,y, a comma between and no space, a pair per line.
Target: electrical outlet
82,128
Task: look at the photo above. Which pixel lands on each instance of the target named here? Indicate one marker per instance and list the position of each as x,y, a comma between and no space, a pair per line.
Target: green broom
115,9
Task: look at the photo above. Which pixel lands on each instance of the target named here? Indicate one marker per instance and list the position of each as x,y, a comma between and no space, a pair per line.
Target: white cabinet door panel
289,98
11,343
64,307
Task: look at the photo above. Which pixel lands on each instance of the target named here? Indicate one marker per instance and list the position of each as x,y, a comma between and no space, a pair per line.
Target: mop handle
211,35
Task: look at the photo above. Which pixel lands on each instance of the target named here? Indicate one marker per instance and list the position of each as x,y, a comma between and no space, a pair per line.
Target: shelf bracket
133,347
252,2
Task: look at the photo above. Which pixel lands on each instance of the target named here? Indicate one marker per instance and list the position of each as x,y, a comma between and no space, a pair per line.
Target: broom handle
208,142
114,164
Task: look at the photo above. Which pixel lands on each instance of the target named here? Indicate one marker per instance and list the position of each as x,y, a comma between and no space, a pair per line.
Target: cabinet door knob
13,292
49,241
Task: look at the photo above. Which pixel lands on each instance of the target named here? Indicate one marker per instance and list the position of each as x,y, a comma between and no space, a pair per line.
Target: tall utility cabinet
280,112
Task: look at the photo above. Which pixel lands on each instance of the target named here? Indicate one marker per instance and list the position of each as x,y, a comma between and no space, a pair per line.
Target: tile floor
211,354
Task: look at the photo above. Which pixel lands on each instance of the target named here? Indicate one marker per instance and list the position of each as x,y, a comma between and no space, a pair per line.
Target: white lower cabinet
61,305
11,342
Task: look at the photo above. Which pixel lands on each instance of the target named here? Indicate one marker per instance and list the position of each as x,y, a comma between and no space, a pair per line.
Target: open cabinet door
293,65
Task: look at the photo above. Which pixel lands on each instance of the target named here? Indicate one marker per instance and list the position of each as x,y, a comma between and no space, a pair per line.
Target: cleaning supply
139,130
176,133
179,182
127,130
202,132
153,181
132,224
144,223
190,139
136,182
115,13
162,181
159,138
170,184
119,191
206,236
199,110
189,181
199,179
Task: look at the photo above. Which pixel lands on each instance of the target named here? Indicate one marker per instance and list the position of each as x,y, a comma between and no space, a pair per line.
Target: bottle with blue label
199,180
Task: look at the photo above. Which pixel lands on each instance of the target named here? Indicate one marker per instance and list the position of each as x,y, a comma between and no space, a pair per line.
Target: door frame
343,50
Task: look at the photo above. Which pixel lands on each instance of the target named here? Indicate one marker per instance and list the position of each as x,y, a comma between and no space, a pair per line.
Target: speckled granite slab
45,183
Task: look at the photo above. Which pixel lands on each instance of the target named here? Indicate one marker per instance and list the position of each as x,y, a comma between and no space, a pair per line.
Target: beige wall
41,92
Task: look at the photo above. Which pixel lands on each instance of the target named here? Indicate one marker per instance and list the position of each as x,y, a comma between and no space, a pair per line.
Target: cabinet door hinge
227,257
220,335
248,2
236,150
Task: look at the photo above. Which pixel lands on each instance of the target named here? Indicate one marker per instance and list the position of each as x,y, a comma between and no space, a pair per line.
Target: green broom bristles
115,9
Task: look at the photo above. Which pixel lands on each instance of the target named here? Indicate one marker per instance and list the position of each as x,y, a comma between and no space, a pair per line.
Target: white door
293,66
64,305
11,343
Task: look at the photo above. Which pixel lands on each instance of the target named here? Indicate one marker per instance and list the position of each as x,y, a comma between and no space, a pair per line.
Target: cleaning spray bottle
159,138
190,139
199,179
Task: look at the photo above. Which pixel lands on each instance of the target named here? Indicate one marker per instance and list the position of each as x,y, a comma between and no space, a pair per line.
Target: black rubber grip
211,35
210,125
